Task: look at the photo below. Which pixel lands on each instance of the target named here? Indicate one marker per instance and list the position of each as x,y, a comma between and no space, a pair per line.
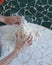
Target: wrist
2,18
16,51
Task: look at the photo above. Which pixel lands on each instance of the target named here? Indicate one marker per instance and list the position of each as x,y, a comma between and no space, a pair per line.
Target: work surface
40,52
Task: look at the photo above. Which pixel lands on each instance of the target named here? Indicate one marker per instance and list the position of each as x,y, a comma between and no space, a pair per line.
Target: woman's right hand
20,45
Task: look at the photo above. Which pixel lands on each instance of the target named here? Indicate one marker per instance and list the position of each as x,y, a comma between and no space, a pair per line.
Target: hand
23,44
12,20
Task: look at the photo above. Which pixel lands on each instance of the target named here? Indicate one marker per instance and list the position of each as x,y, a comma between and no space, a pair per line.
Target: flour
8,37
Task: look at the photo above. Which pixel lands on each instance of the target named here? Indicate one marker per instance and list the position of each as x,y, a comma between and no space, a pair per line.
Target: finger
18,17
30,43
27,38
27,44
16,35
18,21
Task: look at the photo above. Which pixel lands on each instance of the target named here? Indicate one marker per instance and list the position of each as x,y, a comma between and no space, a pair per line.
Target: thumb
16,36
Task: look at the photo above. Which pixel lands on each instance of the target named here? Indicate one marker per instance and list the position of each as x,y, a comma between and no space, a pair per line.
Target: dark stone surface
1,8
45,18
49,14
50,2
38,15
50,9
37,10
32,10
47,24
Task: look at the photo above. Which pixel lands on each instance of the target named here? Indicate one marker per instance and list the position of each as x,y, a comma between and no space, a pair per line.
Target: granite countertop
39,53
35,11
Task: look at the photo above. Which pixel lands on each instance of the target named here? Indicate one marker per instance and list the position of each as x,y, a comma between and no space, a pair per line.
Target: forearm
2,18
9,58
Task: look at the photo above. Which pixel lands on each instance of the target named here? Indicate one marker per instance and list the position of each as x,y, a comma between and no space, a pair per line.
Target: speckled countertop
40,52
